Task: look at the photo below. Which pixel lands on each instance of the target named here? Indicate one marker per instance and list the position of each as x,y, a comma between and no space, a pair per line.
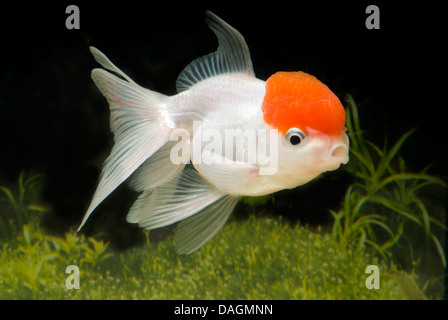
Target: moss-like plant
33,263
255,259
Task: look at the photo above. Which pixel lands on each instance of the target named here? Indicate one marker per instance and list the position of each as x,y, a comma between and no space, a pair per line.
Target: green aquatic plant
18,206
80,250
409,287
384,196
279,262
33,263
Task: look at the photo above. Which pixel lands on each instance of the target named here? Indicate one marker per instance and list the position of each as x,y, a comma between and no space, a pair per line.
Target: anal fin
196,230
177,199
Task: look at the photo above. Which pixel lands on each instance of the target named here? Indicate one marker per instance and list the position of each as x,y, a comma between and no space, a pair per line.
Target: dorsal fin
232,56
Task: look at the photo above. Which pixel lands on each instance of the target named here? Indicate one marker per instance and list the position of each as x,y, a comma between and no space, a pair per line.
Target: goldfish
159,139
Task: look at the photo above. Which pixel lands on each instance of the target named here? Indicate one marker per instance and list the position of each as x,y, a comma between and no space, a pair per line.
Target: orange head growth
297,99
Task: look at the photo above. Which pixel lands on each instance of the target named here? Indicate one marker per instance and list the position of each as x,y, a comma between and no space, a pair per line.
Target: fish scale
222,101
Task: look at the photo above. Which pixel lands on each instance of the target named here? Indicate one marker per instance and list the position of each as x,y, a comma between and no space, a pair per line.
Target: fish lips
337,150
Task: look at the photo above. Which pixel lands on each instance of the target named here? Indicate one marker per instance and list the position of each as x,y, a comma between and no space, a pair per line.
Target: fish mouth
334,150
339,153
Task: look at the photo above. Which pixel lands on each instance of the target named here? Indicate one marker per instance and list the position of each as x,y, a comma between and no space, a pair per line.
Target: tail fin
136,122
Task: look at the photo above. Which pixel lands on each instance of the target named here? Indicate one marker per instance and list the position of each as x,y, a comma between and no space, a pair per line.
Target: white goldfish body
217,92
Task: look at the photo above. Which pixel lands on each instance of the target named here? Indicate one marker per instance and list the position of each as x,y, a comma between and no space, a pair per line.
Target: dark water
53,119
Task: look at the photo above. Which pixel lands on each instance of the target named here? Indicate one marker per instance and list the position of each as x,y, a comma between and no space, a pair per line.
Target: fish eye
294,136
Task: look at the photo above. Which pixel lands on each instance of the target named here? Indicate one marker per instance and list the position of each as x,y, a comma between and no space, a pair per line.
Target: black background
54,120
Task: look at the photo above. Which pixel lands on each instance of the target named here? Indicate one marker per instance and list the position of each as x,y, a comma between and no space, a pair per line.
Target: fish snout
338,152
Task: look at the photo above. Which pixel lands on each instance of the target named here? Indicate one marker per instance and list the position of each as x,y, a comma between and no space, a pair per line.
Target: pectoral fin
231,177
